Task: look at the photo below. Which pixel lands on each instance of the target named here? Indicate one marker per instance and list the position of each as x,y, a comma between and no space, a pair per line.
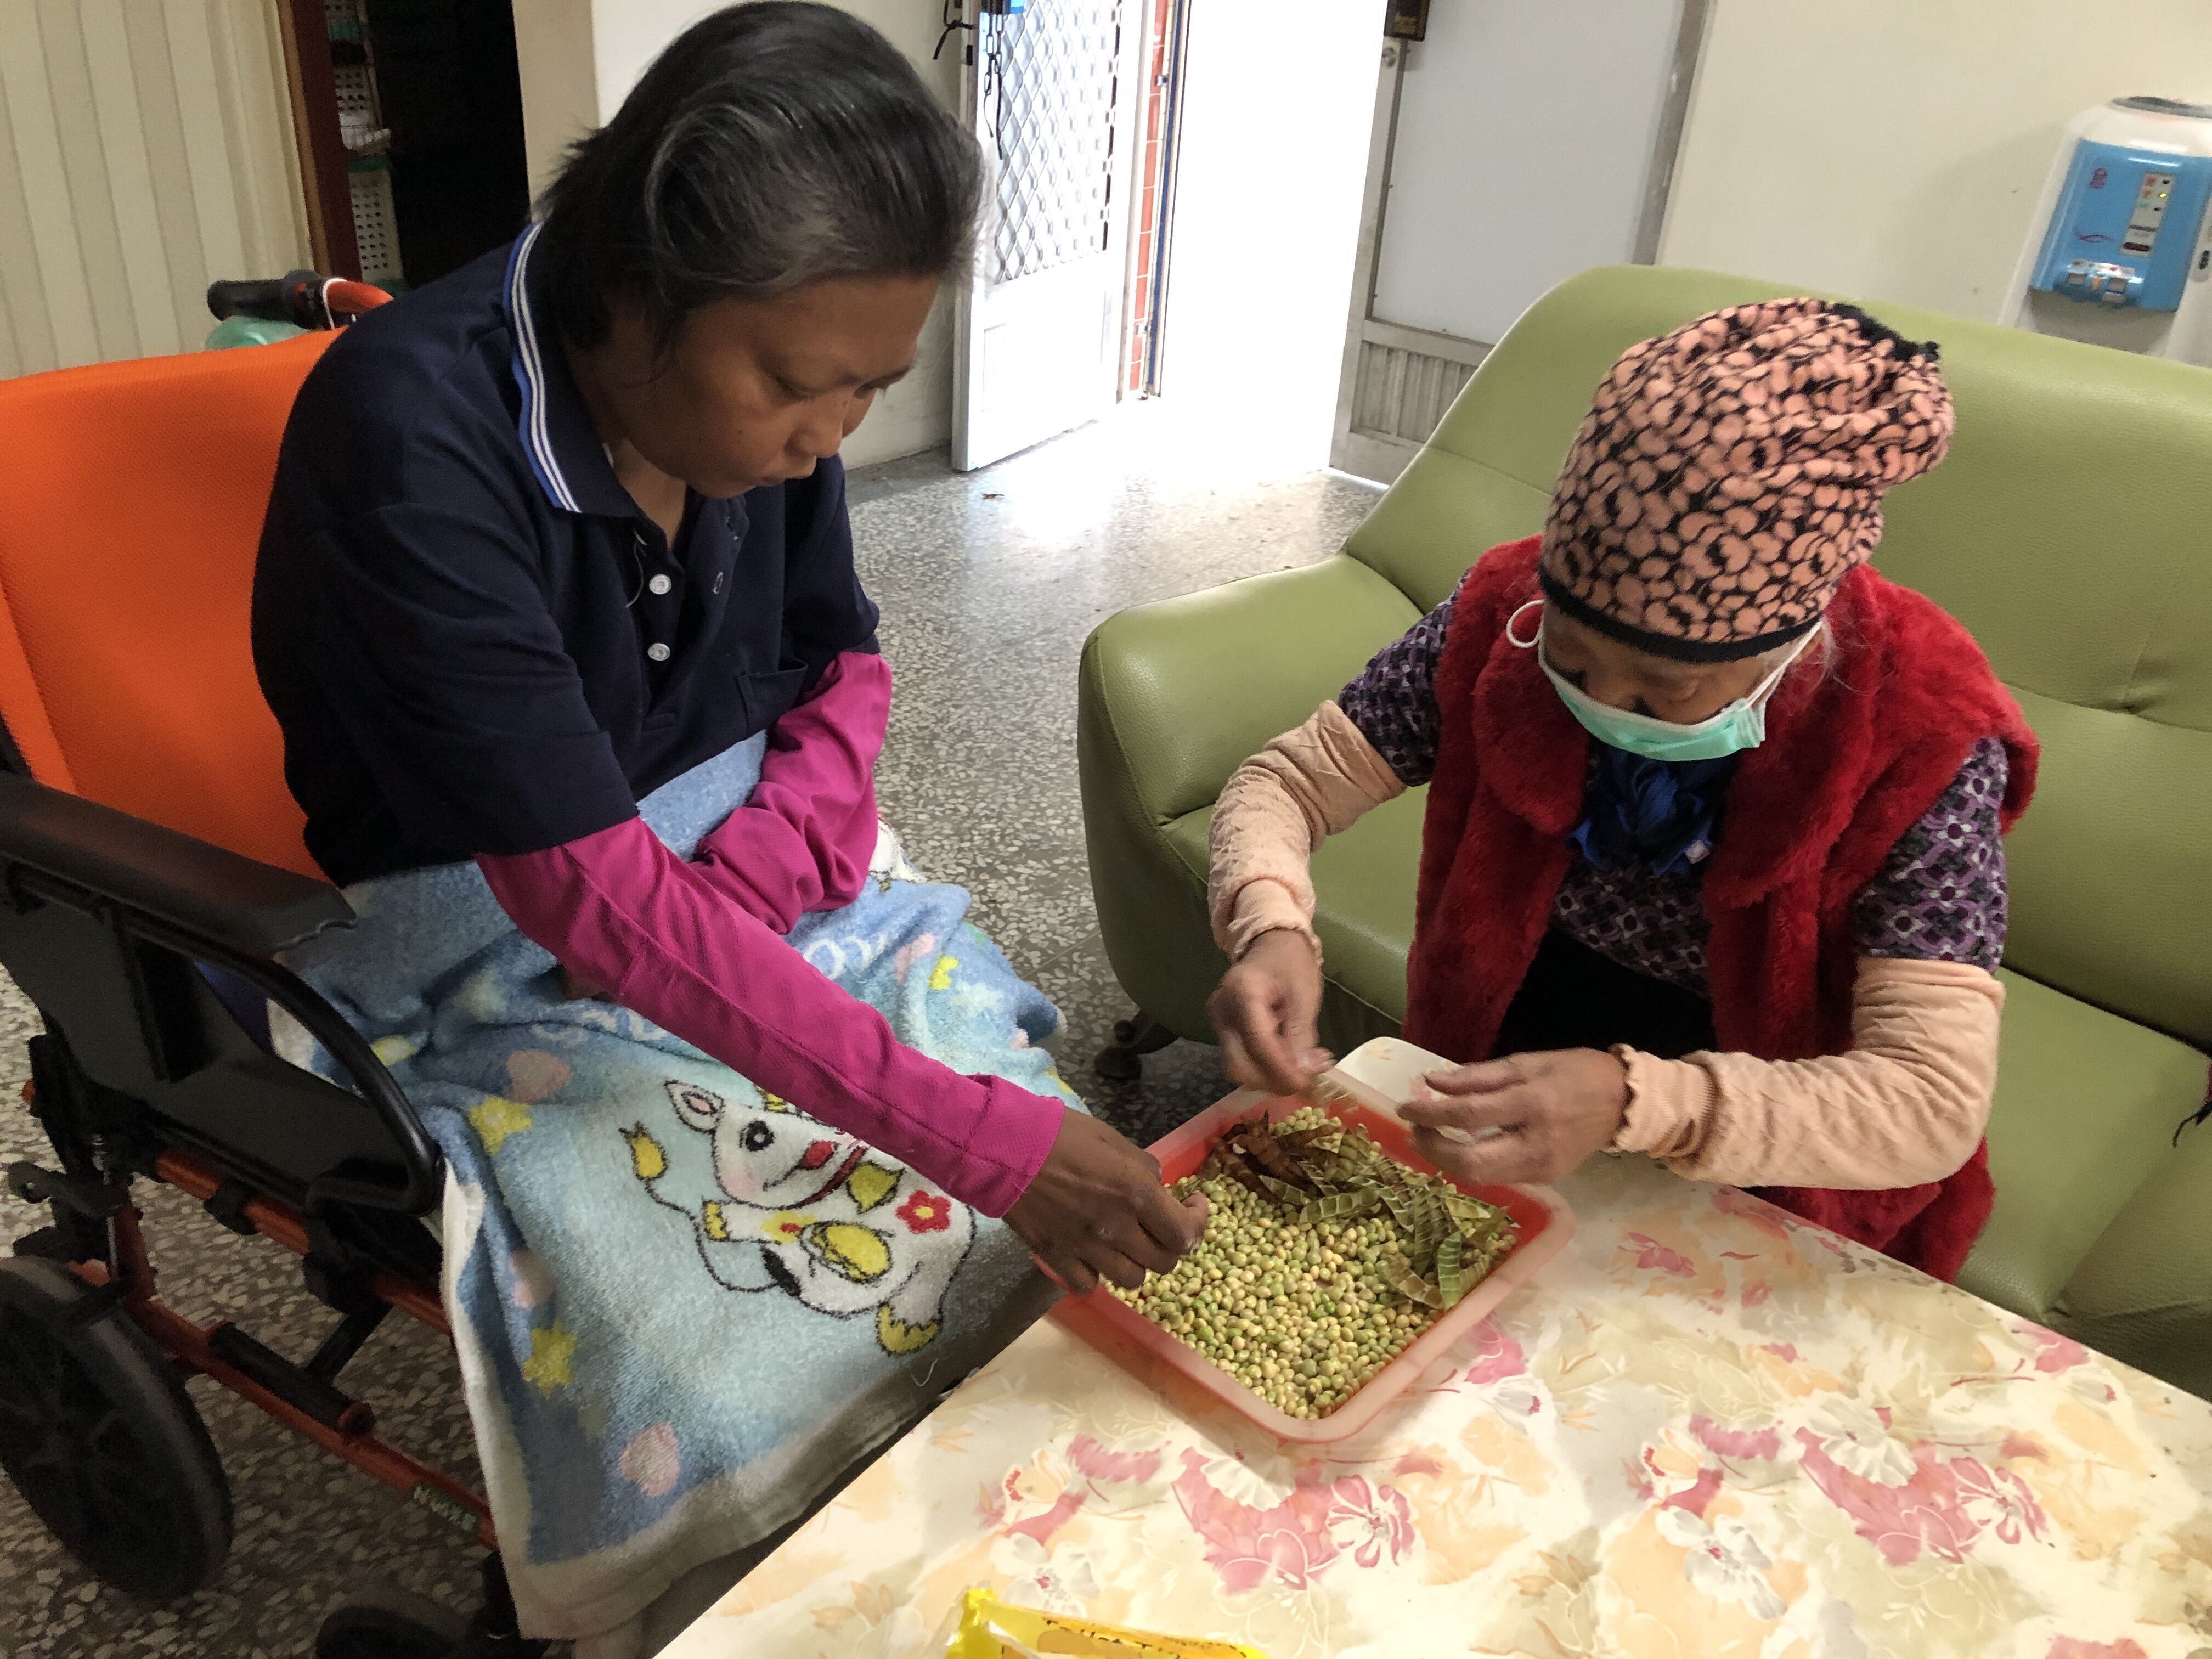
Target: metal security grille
1050,87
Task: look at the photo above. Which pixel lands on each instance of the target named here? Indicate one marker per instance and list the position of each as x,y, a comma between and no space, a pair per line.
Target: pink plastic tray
1121,1332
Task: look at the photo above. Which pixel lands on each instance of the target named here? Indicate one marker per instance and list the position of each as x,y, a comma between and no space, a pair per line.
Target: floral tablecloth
1706,1429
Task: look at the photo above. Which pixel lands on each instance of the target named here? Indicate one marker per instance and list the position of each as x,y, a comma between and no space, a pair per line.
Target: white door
1051,96
1515,146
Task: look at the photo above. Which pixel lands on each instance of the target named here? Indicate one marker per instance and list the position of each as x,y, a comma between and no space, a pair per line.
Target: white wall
1895,149
579,58
1277,112
559,75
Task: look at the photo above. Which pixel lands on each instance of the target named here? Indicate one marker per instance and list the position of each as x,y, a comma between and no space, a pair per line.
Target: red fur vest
1851,760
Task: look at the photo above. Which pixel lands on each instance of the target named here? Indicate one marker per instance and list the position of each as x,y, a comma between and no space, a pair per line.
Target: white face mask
1741,725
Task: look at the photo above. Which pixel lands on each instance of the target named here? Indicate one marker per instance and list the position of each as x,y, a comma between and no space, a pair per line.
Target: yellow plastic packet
991,1629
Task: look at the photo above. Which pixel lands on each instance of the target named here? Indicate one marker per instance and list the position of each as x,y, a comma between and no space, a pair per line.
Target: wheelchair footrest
330,1406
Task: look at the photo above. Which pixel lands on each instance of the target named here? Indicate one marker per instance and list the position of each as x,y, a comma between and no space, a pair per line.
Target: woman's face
756,391
1621,677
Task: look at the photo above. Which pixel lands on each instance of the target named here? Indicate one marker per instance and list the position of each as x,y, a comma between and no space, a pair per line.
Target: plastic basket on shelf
375,225
361,115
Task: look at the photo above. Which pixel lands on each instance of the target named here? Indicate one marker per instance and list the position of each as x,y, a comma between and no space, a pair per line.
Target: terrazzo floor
989,582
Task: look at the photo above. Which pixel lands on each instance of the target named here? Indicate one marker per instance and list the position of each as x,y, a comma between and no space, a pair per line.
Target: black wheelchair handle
296,298
305,299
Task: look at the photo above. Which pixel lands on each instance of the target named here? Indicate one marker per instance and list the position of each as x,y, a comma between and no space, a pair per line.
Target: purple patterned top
1394,701
1940,896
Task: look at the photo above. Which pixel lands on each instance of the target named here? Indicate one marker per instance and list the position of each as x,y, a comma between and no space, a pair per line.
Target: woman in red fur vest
1711,868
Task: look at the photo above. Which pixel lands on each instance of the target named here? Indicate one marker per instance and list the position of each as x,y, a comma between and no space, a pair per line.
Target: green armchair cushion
2086,1109
2144,1291
2111,870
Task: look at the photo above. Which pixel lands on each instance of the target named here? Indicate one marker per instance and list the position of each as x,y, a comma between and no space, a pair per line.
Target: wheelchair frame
105,921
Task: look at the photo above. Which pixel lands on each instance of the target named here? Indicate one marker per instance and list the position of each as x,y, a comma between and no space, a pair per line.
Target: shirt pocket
769,697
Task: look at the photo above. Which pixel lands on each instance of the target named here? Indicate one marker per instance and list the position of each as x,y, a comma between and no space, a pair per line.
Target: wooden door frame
312,82
1162,69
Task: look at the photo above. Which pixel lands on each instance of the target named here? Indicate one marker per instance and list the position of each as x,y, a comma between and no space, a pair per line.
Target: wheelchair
152,876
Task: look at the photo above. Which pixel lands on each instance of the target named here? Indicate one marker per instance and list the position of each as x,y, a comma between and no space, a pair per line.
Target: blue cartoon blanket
681,1305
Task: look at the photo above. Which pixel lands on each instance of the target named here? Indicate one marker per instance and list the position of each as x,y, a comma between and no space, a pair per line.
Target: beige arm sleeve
1906,1105
1275,809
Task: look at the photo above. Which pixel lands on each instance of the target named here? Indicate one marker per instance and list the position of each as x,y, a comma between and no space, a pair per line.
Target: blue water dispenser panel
2126,229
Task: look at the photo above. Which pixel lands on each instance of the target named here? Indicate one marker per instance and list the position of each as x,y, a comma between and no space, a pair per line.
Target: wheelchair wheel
390,1625
101,1440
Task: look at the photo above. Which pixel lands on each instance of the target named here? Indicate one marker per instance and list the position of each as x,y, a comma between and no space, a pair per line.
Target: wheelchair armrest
223,910
253,909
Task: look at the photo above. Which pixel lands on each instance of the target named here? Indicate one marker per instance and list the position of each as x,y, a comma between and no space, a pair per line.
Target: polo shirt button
657,651
660,585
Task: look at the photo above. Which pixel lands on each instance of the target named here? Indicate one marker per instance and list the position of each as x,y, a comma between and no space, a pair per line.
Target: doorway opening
1225,141
1270,104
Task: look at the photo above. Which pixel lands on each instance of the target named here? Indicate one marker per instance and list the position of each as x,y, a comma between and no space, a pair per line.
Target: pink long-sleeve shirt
696,947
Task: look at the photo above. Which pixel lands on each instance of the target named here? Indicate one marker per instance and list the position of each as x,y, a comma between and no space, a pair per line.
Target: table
1706,1429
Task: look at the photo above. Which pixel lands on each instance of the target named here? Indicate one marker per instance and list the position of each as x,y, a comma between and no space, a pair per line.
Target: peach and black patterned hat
1731,473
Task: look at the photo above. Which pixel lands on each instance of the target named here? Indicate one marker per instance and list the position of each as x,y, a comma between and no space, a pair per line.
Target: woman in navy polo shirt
557,529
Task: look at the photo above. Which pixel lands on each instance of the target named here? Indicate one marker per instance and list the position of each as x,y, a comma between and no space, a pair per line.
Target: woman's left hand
1552,1111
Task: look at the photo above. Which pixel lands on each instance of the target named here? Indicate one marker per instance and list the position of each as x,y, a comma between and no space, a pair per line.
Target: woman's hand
1265,1014
1550,1110
1097,1210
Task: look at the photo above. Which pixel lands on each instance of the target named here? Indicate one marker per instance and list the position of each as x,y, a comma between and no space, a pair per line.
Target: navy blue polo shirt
473,638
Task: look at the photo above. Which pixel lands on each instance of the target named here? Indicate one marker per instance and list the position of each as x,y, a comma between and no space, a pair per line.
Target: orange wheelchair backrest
132,496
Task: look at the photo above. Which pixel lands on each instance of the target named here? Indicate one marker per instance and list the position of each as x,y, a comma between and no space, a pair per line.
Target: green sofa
2070,529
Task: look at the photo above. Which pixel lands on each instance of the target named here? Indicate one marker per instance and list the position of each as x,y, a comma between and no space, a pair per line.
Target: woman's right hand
1266,1013
1097,1210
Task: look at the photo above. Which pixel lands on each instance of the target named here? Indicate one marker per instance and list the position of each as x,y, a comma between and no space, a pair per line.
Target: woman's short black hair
771,145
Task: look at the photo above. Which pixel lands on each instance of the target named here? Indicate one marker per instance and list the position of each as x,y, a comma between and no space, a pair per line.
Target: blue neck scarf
1662,814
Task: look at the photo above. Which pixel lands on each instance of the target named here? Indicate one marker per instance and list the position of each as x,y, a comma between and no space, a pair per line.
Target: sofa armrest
2144,1293
253,909
1187,690
1174,697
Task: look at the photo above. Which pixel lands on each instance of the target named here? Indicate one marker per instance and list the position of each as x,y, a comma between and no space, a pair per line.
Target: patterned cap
1731,473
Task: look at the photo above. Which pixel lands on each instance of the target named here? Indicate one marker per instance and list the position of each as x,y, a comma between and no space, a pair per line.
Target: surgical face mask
1741,725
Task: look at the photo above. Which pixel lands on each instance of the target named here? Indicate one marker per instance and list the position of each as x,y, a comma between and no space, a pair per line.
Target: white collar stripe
530,376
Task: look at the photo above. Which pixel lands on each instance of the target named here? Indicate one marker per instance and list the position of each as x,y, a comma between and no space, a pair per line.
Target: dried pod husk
1258,1144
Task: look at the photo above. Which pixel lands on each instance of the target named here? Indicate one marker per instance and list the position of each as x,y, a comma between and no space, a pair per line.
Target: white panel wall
146,148
1523,145
1895,149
